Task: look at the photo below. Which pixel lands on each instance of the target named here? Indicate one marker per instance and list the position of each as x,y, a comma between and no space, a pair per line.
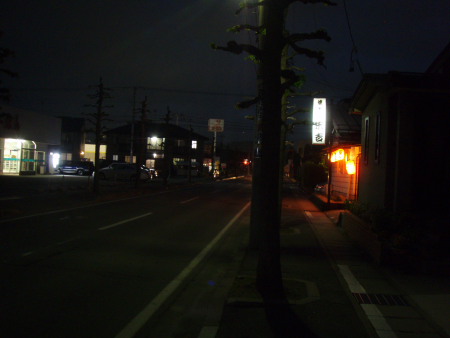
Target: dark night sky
63,47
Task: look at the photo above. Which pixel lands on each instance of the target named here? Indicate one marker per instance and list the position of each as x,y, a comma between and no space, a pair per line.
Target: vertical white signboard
319,121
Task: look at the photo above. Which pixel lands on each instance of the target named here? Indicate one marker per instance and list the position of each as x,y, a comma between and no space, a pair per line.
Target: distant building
73,137
27,140
161,146
76,141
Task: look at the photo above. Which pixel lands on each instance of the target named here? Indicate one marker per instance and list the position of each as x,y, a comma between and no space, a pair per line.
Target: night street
174,263
88,272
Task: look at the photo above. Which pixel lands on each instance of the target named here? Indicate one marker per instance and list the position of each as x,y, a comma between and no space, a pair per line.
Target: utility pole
190,154
142,141
132,125
168,151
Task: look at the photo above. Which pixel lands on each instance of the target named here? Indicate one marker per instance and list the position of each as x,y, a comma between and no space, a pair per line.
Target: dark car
76,167
123,171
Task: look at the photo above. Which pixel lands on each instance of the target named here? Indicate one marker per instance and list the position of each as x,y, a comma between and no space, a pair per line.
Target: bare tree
97,119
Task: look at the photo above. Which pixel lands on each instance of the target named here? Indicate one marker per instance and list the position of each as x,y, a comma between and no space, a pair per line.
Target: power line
170,90
354,50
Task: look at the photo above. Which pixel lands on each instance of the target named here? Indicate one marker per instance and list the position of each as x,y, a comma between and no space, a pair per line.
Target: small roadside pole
215,126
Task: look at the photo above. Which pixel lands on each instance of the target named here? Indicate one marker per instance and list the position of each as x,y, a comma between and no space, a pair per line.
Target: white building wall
31,126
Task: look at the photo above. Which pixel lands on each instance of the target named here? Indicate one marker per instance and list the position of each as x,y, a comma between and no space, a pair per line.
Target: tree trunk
98,138
269,278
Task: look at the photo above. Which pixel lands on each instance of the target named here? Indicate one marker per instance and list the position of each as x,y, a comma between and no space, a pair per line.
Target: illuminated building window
66,156
155,143
194,144
128,158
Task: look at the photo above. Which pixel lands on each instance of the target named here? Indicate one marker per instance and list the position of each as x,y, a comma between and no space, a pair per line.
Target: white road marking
8,198
190,200
141,318
376,318
79,207
124,221
68,241
352,282
309,214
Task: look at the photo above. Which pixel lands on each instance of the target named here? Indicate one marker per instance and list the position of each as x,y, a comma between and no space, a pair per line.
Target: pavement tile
414,325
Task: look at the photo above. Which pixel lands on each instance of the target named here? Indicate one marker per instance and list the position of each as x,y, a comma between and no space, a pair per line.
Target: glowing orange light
351,167
337,155
246,162
333,157
340,154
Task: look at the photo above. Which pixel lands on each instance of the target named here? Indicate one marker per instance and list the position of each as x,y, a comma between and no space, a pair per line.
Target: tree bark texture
269,278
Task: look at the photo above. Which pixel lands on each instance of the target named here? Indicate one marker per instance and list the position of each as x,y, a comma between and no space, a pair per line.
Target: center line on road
124,221
141,318
189,200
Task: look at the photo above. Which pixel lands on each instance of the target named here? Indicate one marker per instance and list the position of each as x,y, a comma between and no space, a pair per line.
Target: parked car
76,167
123,171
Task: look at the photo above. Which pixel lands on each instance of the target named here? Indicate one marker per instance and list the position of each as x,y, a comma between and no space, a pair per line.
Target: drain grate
380,299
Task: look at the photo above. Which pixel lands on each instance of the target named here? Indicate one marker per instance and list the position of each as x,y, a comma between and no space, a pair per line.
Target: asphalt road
106,269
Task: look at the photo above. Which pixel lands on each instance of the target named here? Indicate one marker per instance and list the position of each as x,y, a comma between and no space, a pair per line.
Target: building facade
159,146
404,143
344,153
27,140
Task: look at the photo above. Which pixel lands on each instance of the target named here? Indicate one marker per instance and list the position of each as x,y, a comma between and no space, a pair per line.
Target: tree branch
248,103
235,48
318,55
320,34
239,28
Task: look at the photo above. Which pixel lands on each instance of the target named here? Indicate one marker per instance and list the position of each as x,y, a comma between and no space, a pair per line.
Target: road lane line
189,200
141,318
8,198
124,221
67,240
45,213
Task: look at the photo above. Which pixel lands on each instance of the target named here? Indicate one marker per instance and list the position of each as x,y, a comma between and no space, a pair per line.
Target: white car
123,171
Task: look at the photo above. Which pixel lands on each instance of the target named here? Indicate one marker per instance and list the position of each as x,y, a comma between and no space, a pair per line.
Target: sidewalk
333,289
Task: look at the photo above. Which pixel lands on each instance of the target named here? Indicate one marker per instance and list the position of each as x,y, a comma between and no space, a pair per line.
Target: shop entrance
18,156
11,156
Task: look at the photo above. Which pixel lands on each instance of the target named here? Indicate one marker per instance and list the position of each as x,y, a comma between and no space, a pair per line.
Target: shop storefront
26,140
20,157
